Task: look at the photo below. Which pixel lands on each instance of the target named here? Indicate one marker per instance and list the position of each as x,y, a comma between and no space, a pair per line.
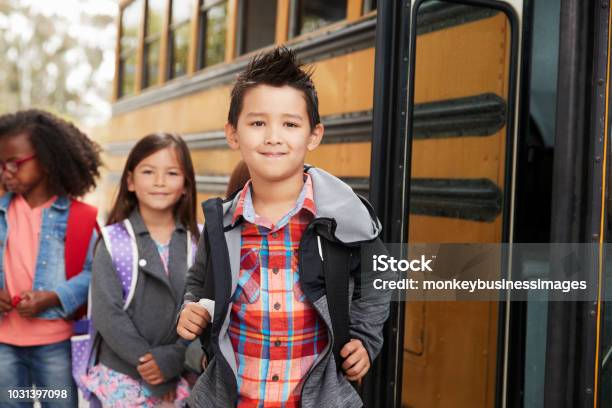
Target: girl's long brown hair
240,175
185,208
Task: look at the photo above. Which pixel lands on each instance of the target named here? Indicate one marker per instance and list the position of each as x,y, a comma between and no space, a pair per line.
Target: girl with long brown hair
138,280
127,201
240,175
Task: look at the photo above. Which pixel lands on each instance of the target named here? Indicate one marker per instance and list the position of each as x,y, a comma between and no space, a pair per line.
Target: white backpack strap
132,290
192,247
108,243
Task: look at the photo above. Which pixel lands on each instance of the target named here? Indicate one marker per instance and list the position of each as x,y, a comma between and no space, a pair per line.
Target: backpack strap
216,244
80,226
192,248
214,240
209,293
120,242
336,268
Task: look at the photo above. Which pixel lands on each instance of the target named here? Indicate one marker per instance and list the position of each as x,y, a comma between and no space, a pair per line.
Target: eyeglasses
13,165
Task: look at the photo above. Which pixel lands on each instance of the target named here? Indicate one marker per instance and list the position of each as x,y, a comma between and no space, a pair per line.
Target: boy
289,233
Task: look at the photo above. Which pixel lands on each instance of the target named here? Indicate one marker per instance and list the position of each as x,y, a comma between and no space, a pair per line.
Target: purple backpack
120,242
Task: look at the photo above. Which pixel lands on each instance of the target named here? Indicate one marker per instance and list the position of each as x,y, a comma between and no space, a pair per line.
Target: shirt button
44,262
275,377
275,235
276,306
277,343
275,271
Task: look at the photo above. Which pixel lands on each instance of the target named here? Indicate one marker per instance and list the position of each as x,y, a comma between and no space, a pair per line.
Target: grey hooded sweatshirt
342,217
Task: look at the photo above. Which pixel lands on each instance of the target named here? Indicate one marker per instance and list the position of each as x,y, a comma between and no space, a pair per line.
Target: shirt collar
61,203
5,201
305,201
139,226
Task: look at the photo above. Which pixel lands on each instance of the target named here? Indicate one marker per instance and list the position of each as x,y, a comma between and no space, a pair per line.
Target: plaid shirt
276,333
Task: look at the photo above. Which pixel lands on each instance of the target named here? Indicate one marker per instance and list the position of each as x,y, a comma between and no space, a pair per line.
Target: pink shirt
19,269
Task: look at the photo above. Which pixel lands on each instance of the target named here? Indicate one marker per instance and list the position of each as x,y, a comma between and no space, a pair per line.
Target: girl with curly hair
45,164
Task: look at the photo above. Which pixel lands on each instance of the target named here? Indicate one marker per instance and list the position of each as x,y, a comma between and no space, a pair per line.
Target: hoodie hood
334,199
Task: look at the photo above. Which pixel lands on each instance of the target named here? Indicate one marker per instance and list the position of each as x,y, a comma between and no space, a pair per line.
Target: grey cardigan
148,325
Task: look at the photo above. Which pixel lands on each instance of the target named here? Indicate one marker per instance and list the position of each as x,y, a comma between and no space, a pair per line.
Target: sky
72,11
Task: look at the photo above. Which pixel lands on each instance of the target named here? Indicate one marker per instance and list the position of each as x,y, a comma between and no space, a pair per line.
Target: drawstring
320,249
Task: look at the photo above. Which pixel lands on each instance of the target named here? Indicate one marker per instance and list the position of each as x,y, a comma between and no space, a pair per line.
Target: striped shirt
275,332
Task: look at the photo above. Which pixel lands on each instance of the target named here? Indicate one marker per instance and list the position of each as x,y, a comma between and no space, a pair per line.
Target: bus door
445,133
454,159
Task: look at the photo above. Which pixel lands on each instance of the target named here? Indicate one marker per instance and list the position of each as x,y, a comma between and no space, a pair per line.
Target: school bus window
369,5
213,28
180,29
258,24
308,15
153,32
130,19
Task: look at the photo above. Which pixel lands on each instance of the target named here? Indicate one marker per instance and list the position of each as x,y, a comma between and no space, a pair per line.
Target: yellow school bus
177,60
463,121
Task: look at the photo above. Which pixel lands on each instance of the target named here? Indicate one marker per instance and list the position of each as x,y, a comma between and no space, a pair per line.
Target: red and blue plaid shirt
276,333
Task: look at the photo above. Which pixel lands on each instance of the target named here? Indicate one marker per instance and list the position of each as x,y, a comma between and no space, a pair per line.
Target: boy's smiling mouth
273,155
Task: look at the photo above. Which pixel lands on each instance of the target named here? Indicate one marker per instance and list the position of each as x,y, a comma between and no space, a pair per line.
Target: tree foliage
58,57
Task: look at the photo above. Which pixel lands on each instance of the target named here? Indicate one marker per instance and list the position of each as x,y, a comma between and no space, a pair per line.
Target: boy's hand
149,370
32,303
356,360
193,320
5,301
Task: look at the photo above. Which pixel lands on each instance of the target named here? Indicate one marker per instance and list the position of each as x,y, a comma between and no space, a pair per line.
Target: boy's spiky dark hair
278,67
67,154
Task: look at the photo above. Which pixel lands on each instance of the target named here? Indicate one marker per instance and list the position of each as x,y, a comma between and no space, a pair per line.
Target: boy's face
29,173
273,132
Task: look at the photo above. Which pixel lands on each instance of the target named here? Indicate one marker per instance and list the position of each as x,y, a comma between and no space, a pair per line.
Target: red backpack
81,224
